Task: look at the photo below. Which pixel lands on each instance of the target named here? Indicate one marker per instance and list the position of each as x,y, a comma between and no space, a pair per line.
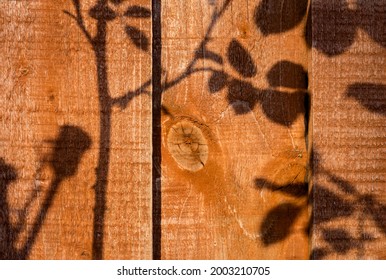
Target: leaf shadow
288,74
278,223
328,206
137,12
296,190
241,60
272,16
332,25
137,37
339,240
370,96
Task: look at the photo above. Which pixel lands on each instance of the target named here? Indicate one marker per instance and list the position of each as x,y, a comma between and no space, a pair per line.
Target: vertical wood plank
349,97
75,127
233,130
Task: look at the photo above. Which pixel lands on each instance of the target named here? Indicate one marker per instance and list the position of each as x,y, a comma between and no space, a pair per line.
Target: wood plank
349,159
75,127
233,130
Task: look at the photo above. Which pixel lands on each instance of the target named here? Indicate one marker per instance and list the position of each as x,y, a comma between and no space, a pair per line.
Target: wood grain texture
231,102
75,130
349,159
232,76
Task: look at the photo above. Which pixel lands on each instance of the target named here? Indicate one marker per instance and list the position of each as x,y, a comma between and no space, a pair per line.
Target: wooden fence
195,129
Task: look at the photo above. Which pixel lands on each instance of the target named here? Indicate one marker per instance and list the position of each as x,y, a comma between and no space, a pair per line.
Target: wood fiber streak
349,155
50,133
232,207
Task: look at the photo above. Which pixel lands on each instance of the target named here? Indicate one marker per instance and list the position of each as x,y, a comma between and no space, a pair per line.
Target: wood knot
188,145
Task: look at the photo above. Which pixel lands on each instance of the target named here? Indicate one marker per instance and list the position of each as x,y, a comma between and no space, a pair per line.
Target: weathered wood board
348,84
75,129
233,130
212,163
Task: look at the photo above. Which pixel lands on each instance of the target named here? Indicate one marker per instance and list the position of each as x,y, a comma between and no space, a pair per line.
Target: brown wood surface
213,162
233,131
349,96
75,130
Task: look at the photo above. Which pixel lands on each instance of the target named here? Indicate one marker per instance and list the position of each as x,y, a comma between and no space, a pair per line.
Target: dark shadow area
8,174
328,205
137,12
376,211
203,53
273,16
340,201
98,42
278,223
141,41
156,132
293,189
282,107
331,25
241,91
241,60
334,24
308,27
102,12
307,114
218,81
371,96
318,254
288,74
339,239
69,148
117,2
138,38
372,18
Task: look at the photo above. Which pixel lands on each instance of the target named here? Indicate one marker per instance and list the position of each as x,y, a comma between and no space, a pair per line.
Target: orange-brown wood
213,162
75,127
233,130
349,96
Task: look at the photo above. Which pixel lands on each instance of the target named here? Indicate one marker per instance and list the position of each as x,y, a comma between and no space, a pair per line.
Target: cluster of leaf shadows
68,149
343,201
331,25
331,29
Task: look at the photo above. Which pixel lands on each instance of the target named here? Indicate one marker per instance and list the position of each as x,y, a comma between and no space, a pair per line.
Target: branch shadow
278,105
69,148
8,175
